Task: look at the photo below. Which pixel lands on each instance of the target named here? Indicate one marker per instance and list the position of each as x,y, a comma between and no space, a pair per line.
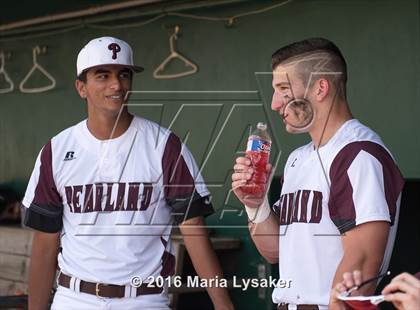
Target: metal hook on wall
37,50
157,74
6,75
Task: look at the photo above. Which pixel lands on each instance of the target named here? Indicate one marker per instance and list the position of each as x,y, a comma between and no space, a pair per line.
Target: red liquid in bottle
258,151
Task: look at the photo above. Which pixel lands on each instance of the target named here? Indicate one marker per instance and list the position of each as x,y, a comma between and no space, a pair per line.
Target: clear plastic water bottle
258,151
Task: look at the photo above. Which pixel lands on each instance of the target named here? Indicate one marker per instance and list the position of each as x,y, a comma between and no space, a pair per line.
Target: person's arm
263,225
204,259
266,238
42,270
43,213
364,248
365,188
189,199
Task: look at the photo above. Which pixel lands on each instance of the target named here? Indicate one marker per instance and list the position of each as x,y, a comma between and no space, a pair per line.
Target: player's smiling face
105,88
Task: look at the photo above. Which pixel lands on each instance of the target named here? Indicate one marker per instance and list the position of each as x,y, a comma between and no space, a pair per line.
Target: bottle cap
262,126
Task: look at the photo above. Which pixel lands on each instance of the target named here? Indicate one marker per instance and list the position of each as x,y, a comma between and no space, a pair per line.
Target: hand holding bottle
242,174
251,173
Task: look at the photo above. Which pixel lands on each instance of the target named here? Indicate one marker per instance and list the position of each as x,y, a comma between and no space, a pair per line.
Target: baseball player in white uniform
108,190
340,195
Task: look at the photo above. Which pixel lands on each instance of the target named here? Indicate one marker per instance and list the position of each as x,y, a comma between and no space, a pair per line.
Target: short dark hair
330,60
83,76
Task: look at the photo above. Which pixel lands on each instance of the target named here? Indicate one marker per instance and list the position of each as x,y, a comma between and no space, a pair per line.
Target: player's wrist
223,303
220,298
259,214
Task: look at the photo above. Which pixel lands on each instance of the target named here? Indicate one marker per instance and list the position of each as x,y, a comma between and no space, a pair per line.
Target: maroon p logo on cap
115,48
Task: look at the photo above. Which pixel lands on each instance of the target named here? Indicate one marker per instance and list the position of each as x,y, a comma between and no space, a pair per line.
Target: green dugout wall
213,109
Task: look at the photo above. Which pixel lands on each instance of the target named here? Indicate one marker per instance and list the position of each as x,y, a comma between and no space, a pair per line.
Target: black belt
107,290
298,307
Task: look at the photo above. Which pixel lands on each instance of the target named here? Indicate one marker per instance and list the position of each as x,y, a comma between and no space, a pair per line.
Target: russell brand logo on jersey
293,207
69,156
108,197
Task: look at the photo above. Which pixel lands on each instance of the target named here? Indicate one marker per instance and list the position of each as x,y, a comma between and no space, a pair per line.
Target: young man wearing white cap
107,190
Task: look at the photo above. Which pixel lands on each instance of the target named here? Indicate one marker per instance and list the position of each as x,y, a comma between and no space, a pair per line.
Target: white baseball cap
106,51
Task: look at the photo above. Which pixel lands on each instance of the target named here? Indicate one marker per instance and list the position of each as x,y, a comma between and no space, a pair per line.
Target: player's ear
81,88
322,88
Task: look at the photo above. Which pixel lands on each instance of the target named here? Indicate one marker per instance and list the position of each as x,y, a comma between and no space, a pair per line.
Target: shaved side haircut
312,59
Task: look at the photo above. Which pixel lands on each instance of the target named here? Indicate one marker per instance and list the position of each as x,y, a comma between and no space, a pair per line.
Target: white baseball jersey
114,200
354,180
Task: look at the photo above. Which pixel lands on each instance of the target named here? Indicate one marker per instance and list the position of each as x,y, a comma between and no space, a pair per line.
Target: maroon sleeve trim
177,179
341,204
46,209
179,187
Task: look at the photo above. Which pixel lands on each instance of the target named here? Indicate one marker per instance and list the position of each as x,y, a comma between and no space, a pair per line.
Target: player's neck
102,126
327,125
